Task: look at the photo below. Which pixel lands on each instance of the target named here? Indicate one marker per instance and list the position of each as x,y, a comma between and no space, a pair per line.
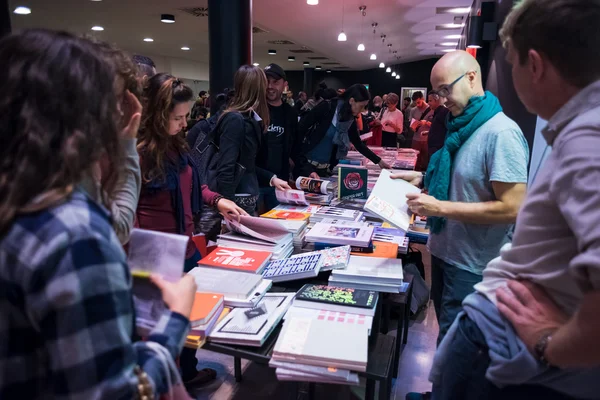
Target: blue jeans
463,376
191,261
449,287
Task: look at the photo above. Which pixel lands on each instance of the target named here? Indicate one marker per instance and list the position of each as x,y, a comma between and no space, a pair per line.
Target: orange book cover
288,215
205,306
237,259
381,250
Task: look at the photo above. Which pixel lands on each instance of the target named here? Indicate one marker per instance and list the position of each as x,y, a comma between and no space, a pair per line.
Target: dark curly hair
162,93
58,117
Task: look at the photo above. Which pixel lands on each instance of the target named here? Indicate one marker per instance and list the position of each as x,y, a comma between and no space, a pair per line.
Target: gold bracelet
144,387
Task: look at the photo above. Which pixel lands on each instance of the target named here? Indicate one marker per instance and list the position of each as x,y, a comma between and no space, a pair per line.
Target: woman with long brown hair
66,309
171,189
240,131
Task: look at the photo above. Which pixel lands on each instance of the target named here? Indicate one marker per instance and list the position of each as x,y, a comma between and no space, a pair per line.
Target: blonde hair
393,98
250,87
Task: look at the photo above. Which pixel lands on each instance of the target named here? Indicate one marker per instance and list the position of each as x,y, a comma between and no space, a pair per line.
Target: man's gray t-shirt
497,152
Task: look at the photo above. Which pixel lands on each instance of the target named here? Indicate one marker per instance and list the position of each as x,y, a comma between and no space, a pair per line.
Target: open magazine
269,230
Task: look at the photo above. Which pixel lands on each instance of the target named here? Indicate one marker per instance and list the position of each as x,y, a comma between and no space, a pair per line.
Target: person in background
203,127
420,121
391,122
290,98
335,123
438,128
171,190
64,272
241,128
198,104
279,142
377,103
201,114
531,329
406,105
476,185
146,68
384,99
300,102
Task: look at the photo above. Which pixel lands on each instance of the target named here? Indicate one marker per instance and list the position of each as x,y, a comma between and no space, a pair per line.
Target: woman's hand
230,210
413,177
280,184
314,175
383,165
132,115
179,296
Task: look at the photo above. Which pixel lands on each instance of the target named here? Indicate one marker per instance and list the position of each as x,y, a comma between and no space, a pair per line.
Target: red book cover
236,259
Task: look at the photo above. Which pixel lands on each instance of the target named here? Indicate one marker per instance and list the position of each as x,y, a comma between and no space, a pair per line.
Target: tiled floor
260,381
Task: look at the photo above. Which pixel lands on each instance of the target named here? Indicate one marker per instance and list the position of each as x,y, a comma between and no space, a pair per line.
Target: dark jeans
449,287
463,375
389,139
192,261
267,200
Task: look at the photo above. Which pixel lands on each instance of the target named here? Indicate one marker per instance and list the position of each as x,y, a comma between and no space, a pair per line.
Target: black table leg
407,314
237,369
398,344
370,390
311,390
383,390
385,311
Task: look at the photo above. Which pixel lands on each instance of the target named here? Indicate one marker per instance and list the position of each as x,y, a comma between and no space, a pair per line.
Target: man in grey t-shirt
487,185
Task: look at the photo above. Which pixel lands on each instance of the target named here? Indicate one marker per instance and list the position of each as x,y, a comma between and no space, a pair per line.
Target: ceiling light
394,73
453,37
97,28
167,18
305,63
452,26
342,37
272,52
148,39
448,50
328,71
291,58
381,65
361,47
256,64
312,2
373,56
397,76
185,48
449,44
388,70
460,10
318,67
22,10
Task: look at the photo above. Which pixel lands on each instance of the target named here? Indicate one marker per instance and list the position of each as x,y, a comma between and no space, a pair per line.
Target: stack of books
351,233
240,289
198,336
242,260
260,234
337,213
298,230
252,326
418,232
302,266
392,235
370,273
406,159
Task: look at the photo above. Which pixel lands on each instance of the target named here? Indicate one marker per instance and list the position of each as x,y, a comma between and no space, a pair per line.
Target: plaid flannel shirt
66,310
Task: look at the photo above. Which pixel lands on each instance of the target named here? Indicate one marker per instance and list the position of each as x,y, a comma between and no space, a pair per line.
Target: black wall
413,74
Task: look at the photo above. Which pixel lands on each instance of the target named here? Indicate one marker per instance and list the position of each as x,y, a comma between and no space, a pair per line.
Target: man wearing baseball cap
278,142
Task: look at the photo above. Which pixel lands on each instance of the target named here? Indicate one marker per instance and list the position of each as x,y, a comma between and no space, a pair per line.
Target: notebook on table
334,298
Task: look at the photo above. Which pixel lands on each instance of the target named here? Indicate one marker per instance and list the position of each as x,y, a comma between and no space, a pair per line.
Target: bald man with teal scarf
474,185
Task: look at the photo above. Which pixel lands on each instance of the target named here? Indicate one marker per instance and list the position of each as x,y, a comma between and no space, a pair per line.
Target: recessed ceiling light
148,39
394,73
97,28
96,0
272,52
448,50
397,76
342,37
361,47
185,48
449,44
256,64
22,10
291,58
453,37
306,63
381,65
318,67
312,2
328,71
450,26
388,70
474,46
167,18
373,56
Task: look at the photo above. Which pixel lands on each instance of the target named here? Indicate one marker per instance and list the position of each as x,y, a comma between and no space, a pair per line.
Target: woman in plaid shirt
66,310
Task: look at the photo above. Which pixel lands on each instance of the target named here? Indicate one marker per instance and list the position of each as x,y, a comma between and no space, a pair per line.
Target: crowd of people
95,142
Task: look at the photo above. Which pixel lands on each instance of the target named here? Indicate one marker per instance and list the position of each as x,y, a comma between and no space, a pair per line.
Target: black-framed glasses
445,90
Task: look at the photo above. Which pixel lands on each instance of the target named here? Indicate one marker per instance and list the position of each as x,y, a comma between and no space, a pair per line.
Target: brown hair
58,117
162,93
250,86
565,31
393,98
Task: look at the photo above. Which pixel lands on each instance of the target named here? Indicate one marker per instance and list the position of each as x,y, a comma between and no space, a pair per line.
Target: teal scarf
479,110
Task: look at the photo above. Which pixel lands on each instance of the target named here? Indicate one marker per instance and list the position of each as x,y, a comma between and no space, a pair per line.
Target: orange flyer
237,259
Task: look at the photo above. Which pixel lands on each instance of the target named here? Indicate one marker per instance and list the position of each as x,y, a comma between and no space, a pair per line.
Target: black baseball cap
275,71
